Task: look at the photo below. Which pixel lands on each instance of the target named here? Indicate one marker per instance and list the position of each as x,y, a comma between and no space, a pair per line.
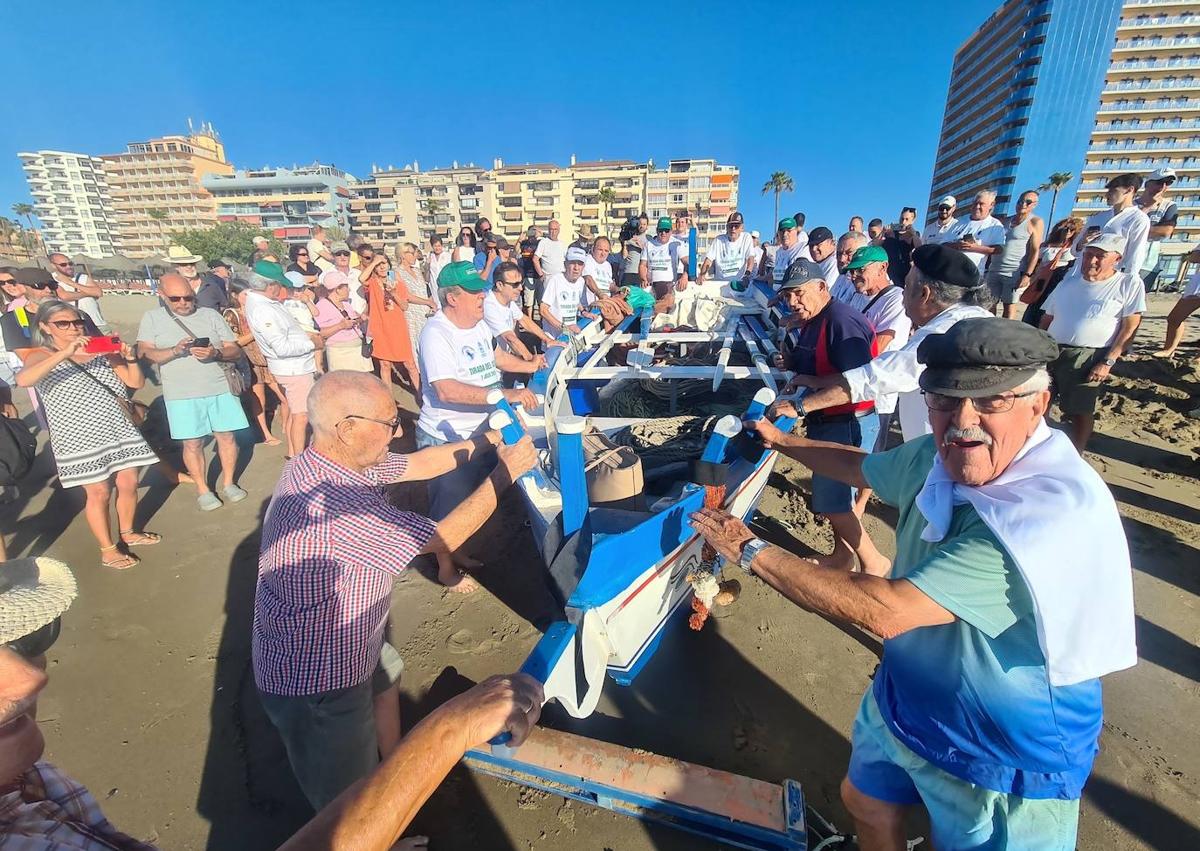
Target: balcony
1158,125
1152,85
1180,145
1155,42
1159,21
1166,105
1144,164
1154,64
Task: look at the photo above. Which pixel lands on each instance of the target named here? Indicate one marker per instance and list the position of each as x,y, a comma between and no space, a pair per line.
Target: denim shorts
830,496
449,490
961,814
192,418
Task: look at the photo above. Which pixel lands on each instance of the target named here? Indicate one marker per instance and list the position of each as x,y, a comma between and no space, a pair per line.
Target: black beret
948,265
984,356
818,235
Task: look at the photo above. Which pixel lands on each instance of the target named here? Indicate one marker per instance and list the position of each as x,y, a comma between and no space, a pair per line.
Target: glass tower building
1022,100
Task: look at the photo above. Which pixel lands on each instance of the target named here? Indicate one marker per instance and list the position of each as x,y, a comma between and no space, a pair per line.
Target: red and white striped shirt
331,548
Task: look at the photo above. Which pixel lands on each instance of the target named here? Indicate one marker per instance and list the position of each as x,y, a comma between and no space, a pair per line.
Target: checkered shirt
332,546
51,812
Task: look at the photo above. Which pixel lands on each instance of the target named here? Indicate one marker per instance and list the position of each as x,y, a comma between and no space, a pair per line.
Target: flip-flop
145,539
125,562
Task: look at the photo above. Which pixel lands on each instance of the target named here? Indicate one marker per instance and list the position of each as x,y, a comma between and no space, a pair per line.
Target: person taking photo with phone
93,433
190,345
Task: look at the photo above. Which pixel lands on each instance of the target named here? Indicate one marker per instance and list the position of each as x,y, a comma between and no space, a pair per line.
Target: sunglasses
341,254
183,298
64,265
945,207
64,324
301,253
513,284
1025,202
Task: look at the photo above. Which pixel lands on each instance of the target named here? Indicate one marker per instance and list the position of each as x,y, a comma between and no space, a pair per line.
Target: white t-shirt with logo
987,231
886,313
500,318
601,273
1089,313
729,257
88,304
562,298
785,257
936,233
661,260
552,254
468,355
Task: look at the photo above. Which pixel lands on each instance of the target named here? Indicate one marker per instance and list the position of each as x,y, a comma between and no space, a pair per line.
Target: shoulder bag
134,411
234,377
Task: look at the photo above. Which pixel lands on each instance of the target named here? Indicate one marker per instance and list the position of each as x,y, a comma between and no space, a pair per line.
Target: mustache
974,433
12,710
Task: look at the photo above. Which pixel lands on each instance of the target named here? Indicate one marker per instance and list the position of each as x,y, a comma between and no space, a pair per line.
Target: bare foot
459,583
1164,353
411,842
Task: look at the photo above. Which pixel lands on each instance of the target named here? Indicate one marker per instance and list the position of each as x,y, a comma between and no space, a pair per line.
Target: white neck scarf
1059,522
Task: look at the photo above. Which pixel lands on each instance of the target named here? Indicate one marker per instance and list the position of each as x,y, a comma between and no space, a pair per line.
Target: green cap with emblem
462,274
867,254
273,271
664,224
787,224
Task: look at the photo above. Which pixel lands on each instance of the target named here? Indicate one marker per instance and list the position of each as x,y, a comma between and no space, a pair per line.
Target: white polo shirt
936,233
988,231
1089,313
500,318
468,355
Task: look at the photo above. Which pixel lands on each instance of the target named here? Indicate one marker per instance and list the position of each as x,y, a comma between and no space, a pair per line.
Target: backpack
18,447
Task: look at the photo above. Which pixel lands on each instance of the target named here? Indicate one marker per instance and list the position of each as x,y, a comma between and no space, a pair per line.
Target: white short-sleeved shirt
552,254
563,298
88,304
601,273
729,257
936,233
1132,224
829,270
1089,313
785,257
315,247
446,351
500,318
886,313
661,260
843,290
988,231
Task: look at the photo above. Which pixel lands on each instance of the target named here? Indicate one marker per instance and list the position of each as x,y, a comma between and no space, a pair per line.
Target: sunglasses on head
64,324
183,298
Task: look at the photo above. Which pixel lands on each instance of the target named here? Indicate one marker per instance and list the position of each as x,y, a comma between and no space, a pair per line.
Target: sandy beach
152,702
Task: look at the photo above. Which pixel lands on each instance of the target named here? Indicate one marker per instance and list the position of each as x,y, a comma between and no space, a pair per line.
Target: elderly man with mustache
986,706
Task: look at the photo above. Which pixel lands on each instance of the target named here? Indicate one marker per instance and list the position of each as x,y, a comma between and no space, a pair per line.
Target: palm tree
158,216
27,211
779,183
607,197
1055,182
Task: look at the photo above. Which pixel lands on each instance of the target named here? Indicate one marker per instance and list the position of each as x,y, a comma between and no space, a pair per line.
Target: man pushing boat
986,707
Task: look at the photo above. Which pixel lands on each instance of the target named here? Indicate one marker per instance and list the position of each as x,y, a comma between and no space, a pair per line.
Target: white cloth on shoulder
1059,522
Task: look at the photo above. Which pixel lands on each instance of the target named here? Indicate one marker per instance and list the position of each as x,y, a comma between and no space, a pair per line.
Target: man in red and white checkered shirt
332,547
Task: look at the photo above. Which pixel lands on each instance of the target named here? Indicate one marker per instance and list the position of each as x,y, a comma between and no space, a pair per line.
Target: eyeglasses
184,298
64,264
998,404
1024,202
64,324
393,423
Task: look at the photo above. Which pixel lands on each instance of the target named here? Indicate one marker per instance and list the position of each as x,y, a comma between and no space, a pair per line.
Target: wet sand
152,703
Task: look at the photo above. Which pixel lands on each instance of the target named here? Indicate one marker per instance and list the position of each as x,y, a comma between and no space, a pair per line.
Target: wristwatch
752,548
1110,361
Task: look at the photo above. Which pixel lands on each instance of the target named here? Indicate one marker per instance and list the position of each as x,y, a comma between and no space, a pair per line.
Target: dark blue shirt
848,337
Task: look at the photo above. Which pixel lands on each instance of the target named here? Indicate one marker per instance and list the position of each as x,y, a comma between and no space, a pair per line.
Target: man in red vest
833,337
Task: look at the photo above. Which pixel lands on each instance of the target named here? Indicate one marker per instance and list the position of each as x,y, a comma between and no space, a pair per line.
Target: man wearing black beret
1010,596
942,287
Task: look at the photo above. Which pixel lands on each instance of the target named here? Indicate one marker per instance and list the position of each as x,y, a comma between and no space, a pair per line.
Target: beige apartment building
1149,116
410,205
164,173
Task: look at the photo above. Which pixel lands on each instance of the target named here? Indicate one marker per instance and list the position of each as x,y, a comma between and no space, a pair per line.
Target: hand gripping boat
619,576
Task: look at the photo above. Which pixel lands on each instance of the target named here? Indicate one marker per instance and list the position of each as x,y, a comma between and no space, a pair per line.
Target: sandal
140,539
123,561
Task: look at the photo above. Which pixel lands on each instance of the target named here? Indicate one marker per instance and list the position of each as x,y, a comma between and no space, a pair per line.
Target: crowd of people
887,325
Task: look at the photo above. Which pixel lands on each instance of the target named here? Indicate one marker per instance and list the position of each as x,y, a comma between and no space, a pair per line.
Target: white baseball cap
1108,242
948,199
755,234
1162,174
576,255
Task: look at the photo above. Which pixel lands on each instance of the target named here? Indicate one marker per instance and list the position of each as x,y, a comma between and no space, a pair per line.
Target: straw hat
33,592
178,255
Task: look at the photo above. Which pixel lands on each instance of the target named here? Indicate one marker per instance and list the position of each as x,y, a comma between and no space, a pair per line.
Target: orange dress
389,328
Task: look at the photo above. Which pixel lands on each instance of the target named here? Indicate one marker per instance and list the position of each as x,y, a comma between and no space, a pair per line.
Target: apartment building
411,205
163,174
287,202
70,194
1149,115
1021,99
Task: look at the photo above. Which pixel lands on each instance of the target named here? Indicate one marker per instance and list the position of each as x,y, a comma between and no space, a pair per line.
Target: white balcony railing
1152,85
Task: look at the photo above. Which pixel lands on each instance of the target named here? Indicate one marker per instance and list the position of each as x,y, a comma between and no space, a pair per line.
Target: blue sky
846,97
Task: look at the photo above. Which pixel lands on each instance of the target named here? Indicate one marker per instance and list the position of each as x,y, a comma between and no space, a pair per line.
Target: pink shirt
328,314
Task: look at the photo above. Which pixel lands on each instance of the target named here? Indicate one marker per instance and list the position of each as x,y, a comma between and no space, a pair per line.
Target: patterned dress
416,313
90,436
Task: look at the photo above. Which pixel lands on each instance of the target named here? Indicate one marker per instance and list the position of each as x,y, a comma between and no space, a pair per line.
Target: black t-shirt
899,251
528,246
848,337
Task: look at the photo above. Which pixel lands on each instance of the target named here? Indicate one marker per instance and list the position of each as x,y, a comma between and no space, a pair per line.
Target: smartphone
199,343
103,345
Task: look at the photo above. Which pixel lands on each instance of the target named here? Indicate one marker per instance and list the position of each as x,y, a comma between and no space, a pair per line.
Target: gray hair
855,236
46,309
950,294
444,293
1038,382
260,283
986,194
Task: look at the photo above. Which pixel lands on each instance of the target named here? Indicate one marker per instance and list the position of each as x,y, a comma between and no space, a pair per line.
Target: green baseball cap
664,223
867,254
273,271
462,274
787,224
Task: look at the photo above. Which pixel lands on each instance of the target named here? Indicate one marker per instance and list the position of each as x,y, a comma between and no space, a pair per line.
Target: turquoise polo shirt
972,696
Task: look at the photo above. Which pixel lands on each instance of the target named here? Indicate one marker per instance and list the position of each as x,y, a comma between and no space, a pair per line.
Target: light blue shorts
192,418
962,814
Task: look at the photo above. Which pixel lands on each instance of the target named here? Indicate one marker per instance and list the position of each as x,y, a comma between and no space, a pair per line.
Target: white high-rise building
71,197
